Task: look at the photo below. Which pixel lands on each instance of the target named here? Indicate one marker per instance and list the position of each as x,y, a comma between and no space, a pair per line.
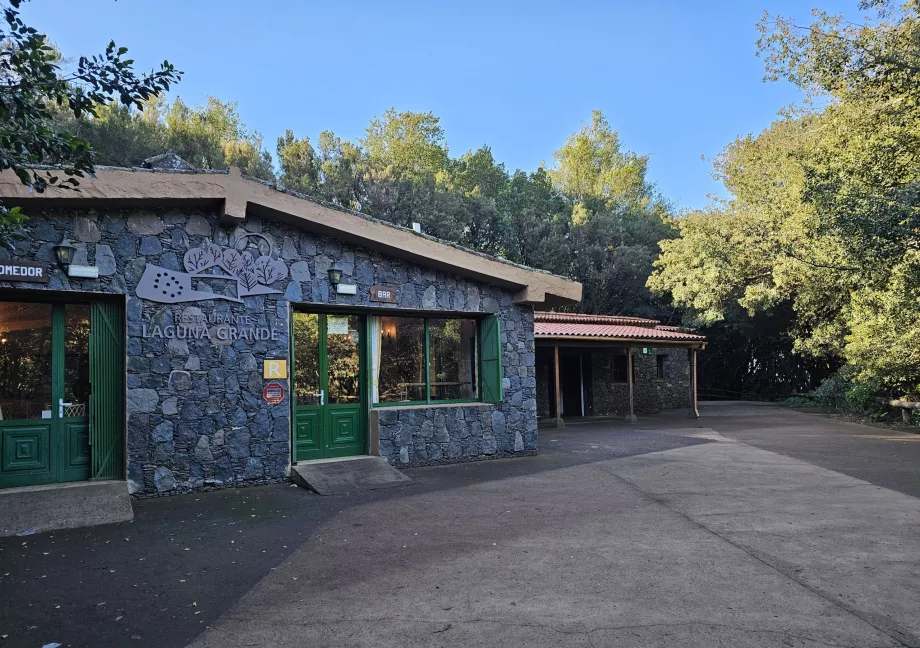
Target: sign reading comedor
23,271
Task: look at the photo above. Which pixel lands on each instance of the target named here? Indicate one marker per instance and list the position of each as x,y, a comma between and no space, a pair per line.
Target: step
33,509
349,475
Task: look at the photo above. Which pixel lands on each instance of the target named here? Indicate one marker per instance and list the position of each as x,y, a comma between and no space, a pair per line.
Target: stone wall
447,433
653,394
196,416
650,393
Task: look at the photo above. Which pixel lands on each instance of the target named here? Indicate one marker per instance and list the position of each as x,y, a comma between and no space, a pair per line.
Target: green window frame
489,374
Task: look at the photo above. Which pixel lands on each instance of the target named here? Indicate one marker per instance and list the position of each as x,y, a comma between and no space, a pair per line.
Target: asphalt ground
882,456
185,560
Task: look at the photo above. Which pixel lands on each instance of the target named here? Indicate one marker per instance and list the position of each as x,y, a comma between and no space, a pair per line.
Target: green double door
54,426
329,407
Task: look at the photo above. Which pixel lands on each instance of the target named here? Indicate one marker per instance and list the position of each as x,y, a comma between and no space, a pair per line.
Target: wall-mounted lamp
64,251
3,338
335,276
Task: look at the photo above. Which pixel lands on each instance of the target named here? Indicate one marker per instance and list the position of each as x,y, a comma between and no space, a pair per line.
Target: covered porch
603,366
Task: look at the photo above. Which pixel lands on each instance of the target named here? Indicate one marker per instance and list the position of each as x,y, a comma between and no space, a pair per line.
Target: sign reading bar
23,271
383,294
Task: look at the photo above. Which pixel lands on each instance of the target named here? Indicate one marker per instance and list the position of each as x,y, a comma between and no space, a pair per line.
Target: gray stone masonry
196,418
650,393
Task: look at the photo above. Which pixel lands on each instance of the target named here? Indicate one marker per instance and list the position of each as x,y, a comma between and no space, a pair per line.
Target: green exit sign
647,350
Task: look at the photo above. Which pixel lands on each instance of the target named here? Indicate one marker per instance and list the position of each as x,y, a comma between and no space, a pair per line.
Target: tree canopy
592,216
824,215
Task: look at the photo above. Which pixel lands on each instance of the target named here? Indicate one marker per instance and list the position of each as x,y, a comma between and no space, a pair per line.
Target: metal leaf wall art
253,275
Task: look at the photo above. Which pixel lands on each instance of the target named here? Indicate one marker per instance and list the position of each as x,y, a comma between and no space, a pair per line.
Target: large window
399,360
453,359
424,360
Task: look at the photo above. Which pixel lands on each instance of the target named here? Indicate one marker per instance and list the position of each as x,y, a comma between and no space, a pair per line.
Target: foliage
832,392
843,391
212,136
12,226
799,401
754,354
405,145
824,218
33,83
593,216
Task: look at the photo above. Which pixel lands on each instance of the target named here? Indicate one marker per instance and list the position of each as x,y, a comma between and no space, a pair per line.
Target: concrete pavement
714,544
754,526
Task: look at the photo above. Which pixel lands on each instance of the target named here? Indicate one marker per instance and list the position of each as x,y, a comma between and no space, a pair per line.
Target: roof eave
627,340
238,195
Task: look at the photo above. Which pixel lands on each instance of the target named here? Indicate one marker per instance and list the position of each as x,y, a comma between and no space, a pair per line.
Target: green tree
405,145
617,219
823,218
592,165
32,80
299,164
212,136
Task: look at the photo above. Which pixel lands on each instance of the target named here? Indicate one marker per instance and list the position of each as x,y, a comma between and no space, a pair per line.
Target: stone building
606,365
176,330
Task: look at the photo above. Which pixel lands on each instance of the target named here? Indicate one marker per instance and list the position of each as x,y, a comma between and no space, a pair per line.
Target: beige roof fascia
240,196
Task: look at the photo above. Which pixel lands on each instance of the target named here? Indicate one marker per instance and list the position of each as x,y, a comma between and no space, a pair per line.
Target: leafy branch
32,81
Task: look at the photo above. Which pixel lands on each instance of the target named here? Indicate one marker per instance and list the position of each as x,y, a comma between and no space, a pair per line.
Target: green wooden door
329,418
44,393
107,416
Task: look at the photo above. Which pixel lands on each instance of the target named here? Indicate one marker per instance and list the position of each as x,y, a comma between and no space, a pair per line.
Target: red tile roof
614,327
584,318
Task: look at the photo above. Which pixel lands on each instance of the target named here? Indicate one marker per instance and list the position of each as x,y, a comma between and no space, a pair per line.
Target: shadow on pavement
160,580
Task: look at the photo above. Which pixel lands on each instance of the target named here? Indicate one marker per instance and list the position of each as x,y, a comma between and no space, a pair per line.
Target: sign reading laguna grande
254,271
213,326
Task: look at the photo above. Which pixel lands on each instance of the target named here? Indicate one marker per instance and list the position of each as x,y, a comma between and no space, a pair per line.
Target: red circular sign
273,393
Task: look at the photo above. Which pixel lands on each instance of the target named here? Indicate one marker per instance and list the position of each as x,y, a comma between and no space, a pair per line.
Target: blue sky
678,79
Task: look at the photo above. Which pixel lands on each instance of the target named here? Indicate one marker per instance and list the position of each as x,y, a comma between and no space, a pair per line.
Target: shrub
842,392
799,401
832,391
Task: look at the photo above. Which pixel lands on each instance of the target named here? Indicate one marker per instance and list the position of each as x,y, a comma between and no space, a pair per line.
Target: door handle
322,397
60,408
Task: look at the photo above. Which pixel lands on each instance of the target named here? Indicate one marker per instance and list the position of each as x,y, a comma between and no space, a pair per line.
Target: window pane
25,361
76,359
402,359
452,353
618,368
342,354
306,358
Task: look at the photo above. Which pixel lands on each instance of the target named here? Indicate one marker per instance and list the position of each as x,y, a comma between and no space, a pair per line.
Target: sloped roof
584,318
617,328
240,196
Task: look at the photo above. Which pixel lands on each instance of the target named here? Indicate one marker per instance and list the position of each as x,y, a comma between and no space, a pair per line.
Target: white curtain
375,333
